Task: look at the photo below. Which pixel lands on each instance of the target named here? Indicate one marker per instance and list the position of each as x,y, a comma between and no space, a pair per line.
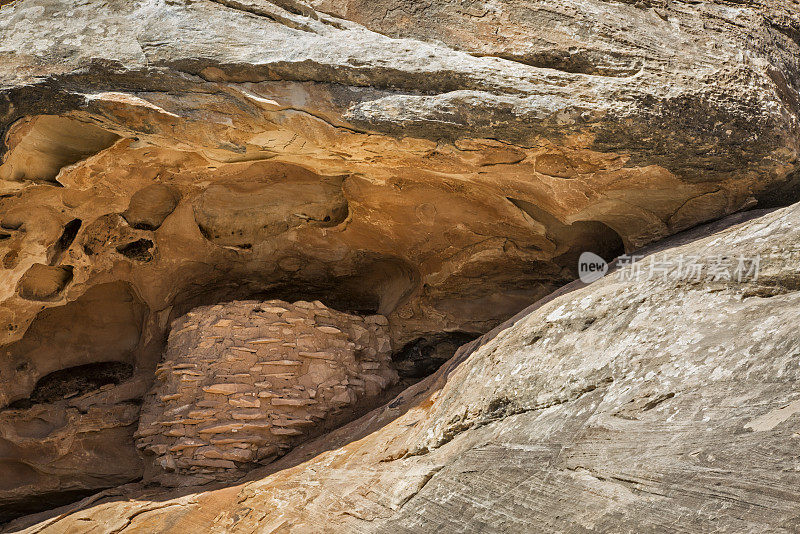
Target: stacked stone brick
244,382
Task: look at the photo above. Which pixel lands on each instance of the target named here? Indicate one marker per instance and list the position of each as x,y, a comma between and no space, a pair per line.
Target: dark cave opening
42,502
423,356
64,241
590,236
139,250
75,381
575,238
784,194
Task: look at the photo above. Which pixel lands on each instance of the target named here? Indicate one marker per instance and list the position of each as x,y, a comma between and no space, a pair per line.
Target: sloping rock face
628,405
244,382
441,164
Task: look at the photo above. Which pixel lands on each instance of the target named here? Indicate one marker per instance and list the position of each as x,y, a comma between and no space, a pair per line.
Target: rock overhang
460,177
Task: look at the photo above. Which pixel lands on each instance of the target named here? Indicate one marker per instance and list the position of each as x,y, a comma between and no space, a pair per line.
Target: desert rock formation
631,404
441,164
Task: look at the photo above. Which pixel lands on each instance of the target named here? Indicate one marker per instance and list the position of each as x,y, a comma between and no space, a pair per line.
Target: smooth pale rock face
626,405
241,383
442,165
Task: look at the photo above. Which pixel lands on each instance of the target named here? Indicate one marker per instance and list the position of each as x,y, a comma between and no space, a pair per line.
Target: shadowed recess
64,241
104,324
38,147
75,381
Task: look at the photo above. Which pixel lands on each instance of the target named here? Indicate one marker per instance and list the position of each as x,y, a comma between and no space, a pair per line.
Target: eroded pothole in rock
242,383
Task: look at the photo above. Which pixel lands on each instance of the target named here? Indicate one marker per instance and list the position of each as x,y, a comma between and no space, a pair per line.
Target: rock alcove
440,166
101,269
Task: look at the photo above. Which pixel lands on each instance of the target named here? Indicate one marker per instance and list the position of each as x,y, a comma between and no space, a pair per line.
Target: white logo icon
591,267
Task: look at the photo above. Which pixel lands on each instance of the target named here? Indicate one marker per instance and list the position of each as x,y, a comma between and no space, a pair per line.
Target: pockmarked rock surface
242,383
442,164
625,405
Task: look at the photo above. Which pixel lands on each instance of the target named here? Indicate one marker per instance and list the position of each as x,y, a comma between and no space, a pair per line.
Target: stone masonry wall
242,383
